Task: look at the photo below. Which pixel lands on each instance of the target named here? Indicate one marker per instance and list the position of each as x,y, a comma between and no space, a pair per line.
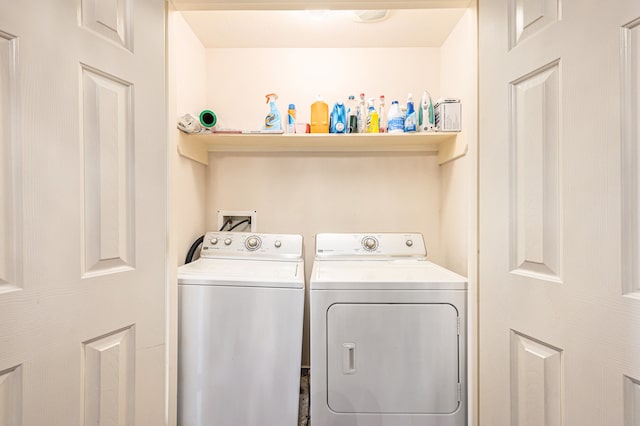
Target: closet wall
308,193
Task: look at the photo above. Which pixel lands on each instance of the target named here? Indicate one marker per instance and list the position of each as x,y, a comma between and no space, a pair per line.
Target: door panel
393,358
83,214
559,316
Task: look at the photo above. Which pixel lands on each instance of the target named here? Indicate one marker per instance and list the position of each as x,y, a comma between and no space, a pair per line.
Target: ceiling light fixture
369,16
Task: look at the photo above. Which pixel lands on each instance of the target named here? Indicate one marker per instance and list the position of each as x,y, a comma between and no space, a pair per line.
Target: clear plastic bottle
410,121
373,120
361,114
382,116
396,118
352,117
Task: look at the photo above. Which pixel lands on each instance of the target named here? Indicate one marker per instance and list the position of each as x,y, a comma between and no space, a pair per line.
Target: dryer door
393,358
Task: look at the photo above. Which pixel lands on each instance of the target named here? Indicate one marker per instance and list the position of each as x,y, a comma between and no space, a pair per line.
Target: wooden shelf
449,145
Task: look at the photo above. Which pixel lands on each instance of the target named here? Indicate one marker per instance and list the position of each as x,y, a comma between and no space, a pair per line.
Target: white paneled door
559,205
82,212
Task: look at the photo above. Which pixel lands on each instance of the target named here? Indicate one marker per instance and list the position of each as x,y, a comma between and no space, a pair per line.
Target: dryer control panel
370,245
251,245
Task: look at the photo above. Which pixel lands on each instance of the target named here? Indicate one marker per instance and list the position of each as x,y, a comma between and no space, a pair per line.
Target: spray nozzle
271,97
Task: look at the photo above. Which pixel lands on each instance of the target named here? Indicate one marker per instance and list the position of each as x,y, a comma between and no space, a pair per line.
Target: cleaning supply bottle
426,116
319,116
373,121
410,121
361,113
351,114
272,120
396,118
291,118
382,116
338,118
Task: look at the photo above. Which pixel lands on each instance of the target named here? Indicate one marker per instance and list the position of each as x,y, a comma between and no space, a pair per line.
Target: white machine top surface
392,261
248,260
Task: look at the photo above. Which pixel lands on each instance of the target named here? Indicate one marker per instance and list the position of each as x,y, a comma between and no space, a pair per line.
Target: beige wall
189,177
239,78
458,68
312,193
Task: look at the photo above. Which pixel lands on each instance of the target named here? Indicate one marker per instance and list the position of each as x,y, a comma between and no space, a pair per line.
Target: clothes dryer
240,331
388,334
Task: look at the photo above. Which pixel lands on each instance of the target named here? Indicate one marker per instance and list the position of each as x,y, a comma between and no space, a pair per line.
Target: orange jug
319,116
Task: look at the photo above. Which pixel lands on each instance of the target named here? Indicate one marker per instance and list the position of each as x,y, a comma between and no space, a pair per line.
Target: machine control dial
227,241
369,243
213,241
253,243
278,244
409,243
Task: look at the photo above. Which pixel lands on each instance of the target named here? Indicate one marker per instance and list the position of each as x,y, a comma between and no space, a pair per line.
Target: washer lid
384,275
242,273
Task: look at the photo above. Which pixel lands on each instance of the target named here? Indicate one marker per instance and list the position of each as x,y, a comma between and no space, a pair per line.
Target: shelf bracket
193,148
452,149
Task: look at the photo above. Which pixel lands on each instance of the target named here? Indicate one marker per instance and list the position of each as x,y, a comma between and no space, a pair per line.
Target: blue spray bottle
338,118
272,120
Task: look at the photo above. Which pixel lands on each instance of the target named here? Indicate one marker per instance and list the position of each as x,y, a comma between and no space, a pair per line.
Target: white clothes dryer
388,334
240,331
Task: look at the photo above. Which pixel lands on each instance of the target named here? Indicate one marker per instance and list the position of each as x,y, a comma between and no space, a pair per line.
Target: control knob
213,241
227,241
370,243
252,243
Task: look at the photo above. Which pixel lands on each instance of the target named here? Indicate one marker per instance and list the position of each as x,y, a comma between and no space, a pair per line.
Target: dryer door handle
348,358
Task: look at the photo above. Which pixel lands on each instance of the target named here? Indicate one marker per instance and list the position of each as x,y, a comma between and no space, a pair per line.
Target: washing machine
388,335
240,331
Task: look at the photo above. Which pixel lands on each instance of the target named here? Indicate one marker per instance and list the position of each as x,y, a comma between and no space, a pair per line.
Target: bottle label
410,123
270,120
396,124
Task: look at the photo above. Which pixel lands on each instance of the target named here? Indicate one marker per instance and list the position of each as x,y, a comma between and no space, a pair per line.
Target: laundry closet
227,60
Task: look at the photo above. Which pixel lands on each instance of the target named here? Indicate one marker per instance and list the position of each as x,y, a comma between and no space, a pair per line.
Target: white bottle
396,119
382,116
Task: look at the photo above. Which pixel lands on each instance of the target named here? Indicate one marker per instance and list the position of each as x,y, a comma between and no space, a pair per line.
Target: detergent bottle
396,118
373,120
410,121
338,118
319,116
272,120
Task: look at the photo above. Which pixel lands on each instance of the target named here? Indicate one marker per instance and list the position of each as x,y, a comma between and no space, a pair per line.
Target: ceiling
322,29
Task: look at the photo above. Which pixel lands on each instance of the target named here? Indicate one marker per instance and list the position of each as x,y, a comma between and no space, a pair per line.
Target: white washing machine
388,340
240,331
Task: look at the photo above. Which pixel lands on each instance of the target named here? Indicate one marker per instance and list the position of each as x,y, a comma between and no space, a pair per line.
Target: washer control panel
380,245
245,244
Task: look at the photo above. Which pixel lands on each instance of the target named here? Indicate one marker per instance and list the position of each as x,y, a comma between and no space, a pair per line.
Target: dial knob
227,241
409,243
278,244
213,241
370,243
252,243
